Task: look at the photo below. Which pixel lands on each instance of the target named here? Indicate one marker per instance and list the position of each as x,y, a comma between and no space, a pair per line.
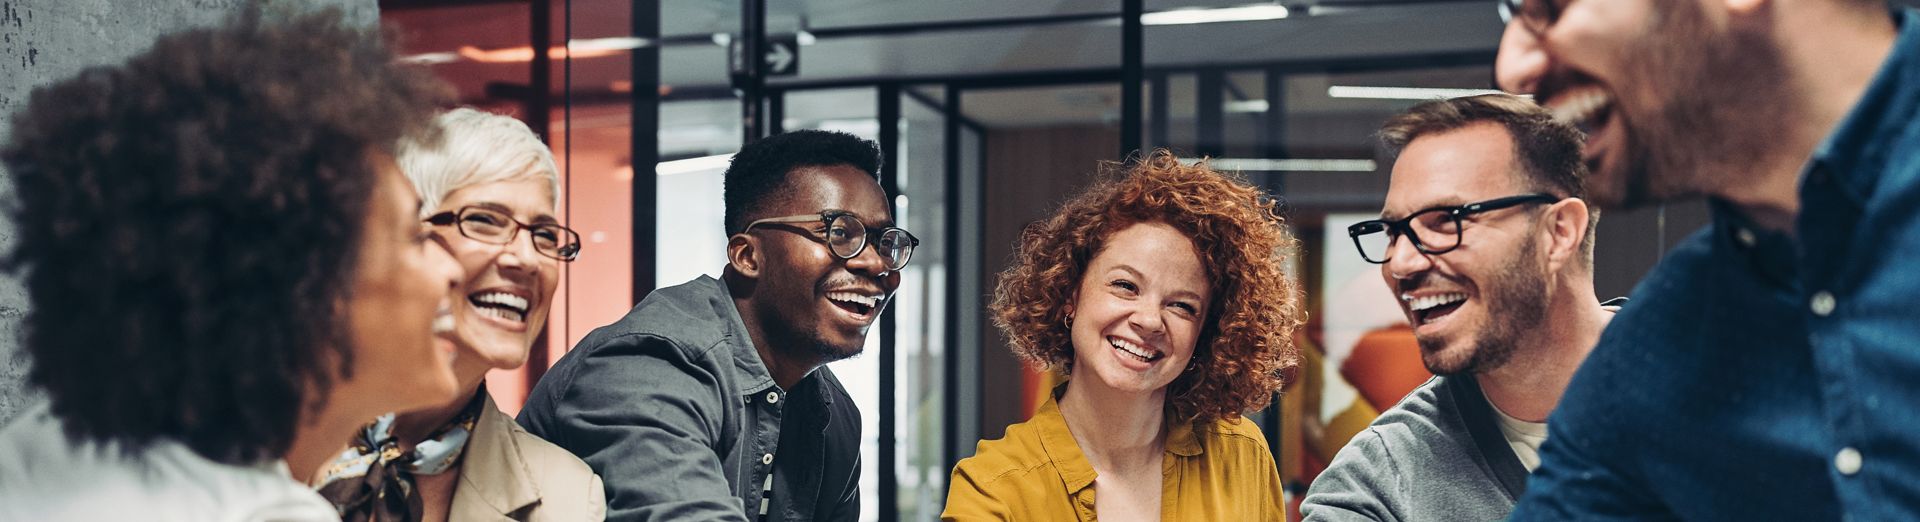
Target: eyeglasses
1535,15
496,227
846,236
1433,231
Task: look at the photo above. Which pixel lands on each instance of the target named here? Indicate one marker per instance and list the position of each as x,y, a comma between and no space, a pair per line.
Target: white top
46,476
1525,437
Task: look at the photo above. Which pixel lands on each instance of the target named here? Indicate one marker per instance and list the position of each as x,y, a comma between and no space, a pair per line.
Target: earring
1069,321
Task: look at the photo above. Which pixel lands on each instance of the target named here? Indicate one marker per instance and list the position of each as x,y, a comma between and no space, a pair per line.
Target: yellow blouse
1217,471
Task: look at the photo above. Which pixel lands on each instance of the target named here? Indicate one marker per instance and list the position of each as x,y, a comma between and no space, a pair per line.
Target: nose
1404,259
519,253
1146,318
1521,61
869,261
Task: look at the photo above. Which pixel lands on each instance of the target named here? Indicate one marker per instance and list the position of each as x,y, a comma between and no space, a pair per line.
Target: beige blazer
509,474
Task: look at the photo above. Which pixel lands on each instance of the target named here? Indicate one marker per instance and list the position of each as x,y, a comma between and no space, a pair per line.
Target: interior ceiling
869,39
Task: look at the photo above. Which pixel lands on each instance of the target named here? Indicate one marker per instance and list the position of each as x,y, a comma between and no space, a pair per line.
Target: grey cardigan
1438,455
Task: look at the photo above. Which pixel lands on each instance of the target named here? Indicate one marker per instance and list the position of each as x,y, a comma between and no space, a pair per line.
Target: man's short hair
1546,150
189,223
758,175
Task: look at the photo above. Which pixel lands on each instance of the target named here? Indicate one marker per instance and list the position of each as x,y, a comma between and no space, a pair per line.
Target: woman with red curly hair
1161,293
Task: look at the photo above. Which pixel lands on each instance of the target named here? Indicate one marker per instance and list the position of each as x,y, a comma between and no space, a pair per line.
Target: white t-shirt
1525,437
46,476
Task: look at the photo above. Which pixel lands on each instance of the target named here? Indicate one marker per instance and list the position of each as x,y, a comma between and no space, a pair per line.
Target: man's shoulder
688,315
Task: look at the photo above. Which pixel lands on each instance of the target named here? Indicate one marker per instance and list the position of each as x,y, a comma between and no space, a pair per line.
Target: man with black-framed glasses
710,400
1488,248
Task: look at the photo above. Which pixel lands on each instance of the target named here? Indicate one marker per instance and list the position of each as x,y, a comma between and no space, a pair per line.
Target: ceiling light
691,165
1402,93
431,58
1288,165
1246,106
1248,13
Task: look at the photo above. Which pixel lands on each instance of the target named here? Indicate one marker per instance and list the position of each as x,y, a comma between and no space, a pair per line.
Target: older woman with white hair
485,182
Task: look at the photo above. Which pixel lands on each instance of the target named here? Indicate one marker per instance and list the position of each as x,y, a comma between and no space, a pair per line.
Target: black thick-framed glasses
490,225
1433,230
1535,15
894,244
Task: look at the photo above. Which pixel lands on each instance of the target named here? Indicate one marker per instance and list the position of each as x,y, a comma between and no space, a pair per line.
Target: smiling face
1640,76
1468,306
508,291
399,306
1139,310
815,306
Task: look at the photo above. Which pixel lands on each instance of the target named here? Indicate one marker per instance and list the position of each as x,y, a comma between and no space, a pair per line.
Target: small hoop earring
1069,322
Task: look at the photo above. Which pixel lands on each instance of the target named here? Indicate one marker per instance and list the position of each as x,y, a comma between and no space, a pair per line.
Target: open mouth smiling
1137,352
1428,308
861,305
502,305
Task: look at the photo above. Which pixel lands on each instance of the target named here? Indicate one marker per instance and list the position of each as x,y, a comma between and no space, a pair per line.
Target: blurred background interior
989,112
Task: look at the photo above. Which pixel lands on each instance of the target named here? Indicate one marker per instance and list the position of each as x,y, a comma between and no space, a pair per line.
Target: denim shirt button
1848,461
1745,237
766,459
773,397
1822,303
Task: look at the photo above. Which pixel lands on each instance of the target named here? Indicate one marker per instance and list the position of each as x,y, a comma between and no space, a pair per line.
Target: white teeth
443,322
1418,304
870,301
1578,106
1134,350
517,303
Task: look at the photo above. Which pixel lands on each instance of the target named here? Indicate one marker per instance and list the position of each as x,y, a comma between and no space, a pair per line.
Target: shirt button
1822,304
766,459
773,397
1848,461
1745,237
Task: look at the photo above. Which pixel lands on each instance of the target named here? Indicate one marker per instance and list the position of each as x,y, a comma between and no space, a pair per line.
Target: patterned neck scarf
372,481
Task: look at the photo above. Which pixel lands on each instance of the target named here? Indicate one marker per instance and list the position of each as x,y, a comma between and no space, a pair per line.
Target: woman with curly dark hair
226,272
1162,293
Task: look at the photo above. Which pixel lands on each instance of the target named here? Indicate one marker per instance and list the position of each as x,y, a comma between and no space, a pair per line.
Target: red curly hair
1246,342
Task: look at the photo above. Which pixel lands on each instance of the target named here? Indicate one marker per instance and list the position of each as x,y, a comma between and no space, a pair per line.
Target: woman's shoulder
565,487
1233,436
1019,451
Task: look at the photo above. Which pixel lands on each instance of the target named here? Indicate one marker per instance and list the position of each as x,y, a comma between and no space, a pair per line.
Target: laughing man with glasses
1487,246
711,400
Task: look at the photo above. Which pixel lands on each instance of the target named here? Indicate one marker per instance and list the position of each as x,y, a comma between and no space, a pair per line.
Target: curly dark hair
189,222
1246,341
758,173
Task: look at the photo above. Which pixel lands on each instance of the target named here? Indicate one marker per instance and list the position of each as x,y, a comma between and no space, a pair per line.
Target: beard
1709,109
1515,300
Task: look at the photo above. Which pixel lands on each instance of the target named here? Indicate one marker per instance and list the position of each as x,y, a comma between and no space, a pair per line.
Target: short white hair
475,148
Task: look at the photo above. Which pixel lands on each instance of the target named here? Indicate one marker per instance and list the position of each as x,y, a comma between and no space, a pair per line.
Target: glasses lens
846,235
1437,230
897,246
486,225
556,241
1372,239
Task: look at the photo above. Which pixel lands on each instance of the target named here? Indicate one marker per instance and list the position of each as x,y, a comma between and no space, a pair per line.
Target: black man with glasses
1488,247
711,400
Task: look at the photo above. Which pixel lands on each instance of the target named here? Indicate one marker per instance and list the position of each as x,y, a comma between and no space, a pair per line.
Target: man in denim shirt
1769,368
710,400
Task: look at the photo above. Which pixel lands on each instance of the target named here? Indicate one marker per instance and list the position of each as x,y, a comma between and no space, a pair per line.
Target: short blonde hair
475,148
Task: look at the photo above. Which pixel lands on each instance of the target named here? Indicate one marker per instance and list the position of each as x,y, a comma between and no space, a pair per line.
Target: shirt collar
749,371
1858,149
496,470
1076,472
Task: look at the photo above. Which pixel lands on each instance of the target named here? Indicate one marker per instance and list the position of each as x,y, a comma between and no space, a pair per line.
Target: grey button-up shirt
673,408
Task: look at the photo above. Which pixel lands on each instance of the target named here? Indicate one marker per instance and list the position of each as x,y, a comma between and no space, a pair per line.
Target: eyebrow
863,219
1445,203
542,219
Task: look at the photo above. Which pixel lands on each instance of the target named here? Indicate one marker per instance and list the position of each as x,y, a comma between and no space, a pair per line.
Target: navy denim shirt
1761,376
673,408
